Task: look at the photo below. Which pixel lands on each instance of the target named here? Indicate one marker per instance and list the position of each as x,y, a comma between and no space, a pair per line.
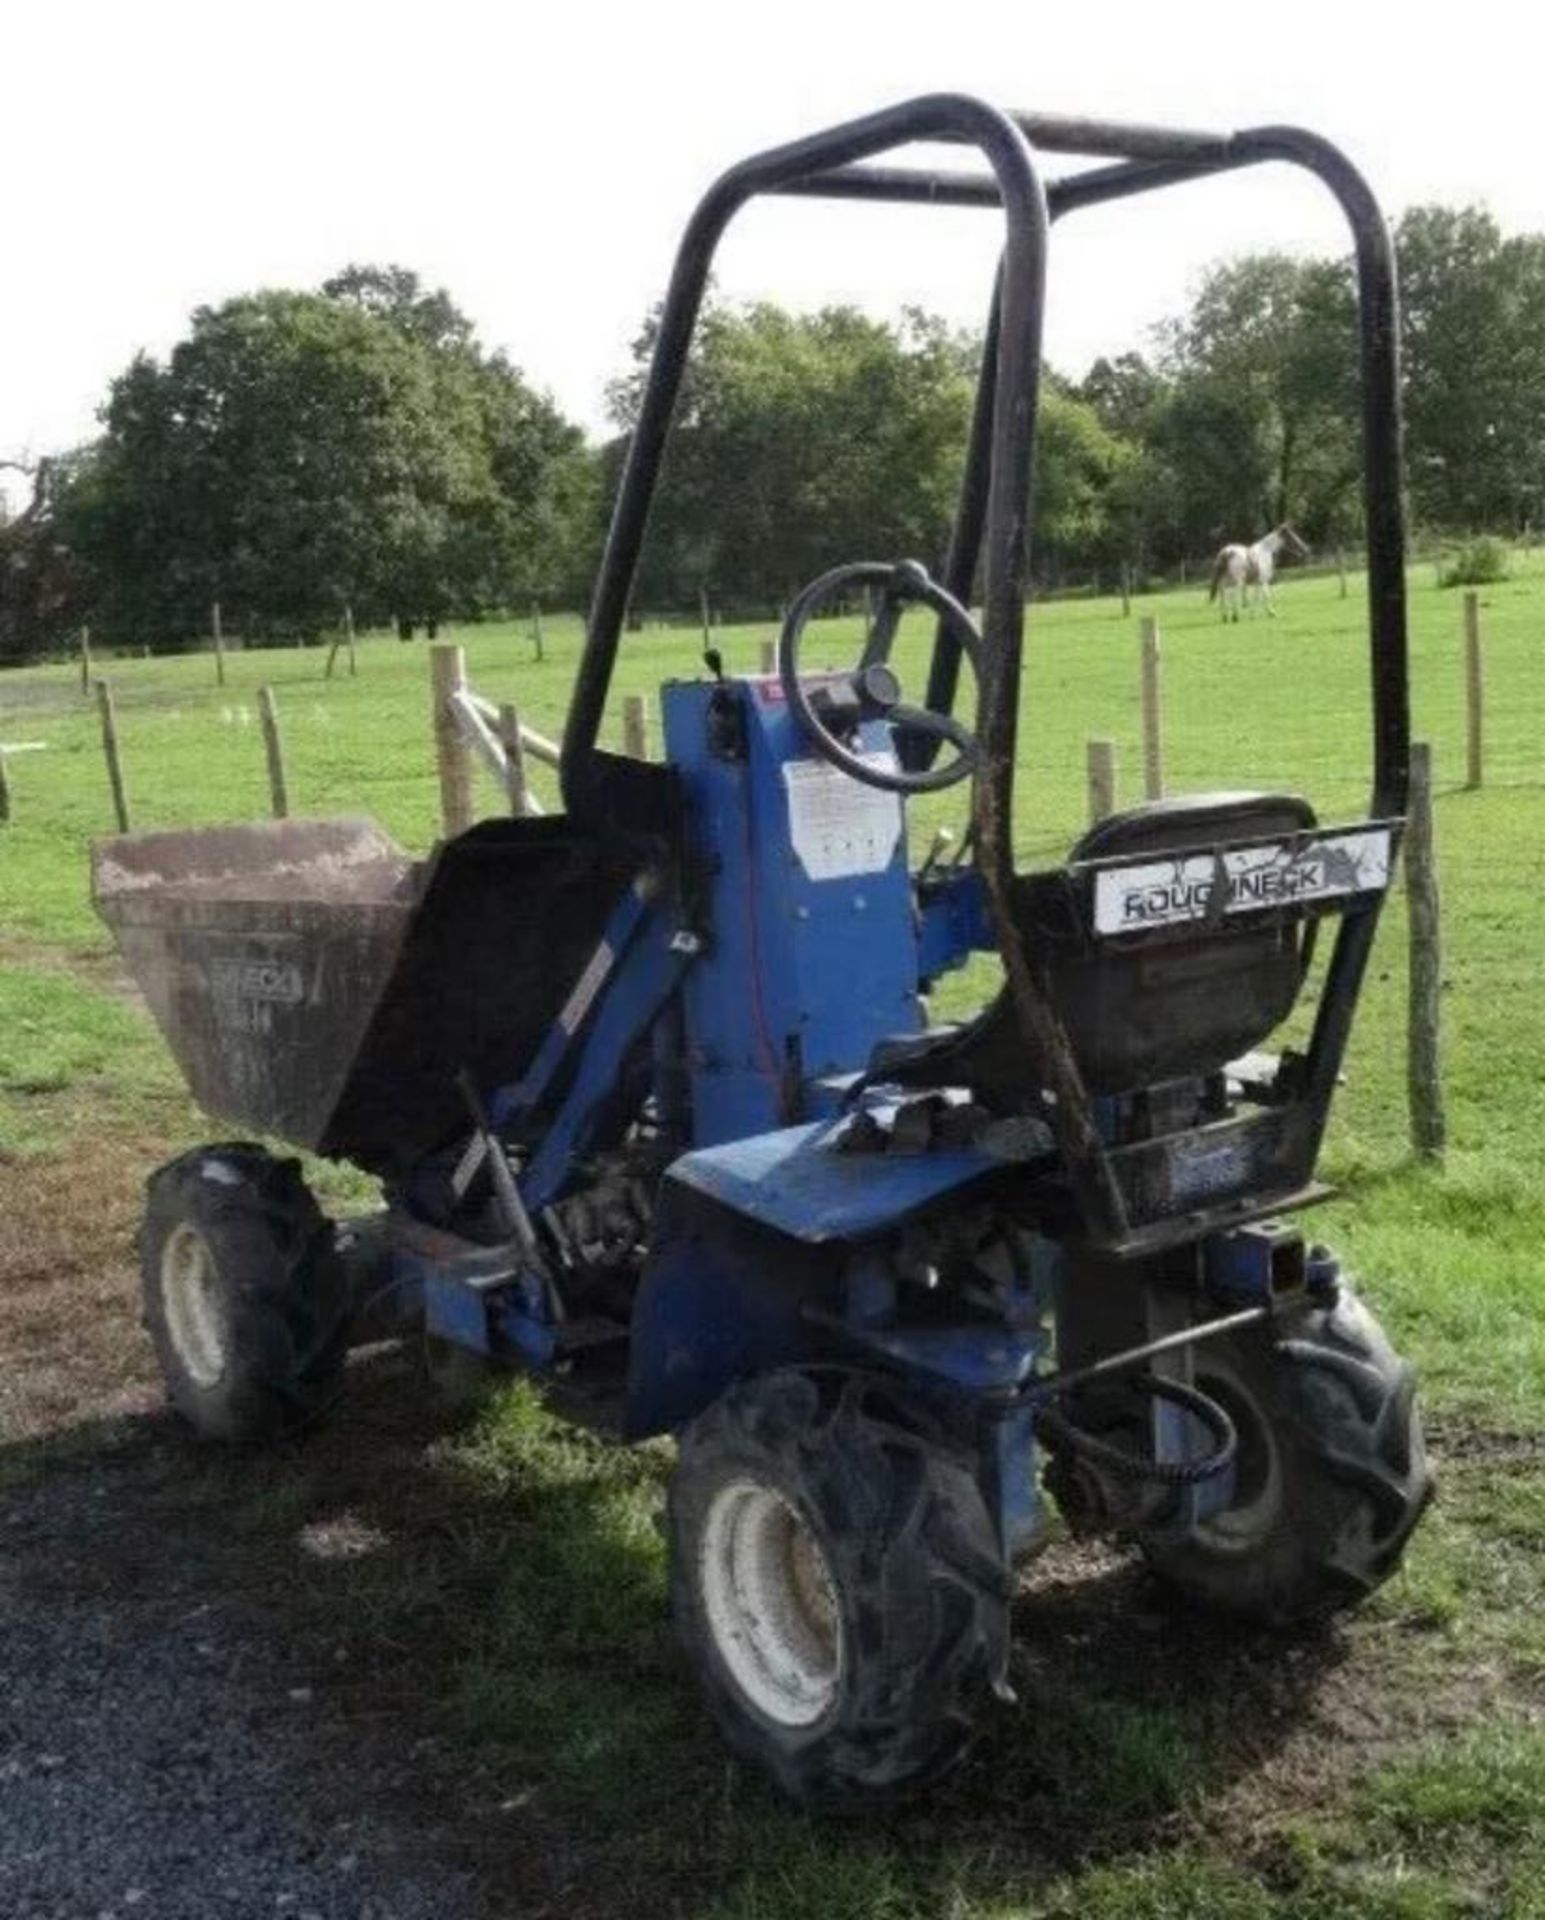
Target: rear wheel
245,1300
1331,1474
836,1583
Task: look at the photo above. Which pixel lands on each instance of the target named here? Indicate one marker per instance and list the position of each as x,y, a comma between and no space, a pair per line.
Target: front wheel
836,1582
1331,1474
244,1296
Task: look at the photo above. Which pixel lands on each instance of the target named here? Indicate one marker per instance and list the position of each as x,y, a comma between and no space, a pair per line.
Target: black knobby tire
1331,1475
274,1324
913,1577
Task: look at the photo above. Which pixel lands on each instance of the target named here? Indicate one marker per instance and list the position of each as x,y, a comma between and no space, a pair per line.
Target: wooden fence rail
522,801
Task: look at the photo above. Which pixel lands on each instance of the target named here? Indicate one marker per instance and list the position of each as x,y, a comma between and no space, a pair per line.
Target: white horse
1237,569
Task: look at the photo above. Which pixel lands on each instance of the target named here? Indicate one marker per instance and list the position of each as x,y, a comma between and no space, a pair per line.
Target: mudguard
751,1243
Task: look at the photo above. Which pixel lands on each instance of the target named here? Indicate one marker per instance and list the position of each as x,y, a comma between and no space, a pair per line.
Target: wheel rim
195,1315
771,1603
1257,1472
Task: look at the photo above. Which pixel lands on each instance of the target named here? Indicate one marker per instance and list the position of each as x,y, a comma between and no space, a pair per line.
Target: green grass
66,1048
522,1562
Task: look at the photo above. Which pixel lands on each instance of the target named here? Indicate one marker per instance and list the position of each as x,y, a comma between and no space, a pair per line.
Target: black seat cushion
1194,820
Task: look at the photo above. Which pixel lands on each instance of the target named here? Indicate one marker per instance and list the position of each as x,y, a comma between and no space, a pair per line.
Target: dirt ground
189,1732
176,1738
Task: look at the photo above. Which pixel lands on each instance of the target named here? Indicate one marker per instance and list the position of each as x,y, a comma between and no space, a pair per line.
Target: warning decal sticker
839,826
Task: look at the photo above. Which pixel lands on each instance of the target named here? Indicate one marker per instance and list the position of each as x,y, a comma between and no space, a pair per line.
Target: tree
802,440
1126,393
396,295
41,587
1080,464
1473,313
1260,421
528,530
301,451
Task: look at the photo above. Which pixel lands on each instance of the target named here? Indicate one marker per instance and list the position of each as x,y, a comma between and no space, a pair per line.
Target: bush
1478,563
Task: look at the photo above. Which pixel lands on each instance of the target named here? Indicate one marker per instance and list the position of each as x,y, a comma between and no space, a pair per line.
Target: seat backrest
1175,1000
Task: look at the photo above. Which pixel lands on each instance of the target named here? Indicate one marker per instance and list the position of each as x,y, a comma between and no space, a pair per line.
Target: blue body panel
799,940
455,1311
644,979
811,923
799,1181
714,1307
510,1102
954,922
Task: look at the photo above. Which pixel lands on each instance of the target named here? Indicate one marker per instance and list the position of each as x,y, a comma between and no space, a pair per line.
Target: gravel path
177,1740
165,1755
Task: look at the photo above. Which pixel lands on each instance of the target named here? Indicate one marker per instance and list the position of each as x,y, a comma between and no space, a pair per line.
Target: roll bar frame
994,507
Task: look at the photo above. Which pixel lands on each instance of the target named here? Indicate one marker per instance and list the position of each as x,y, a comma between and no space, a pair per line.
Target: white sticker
1168,893
586,988
837,824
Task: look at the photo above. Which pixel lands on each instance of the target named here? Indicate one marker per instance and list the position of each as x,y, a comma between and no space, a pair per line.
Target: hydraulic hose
1058,1431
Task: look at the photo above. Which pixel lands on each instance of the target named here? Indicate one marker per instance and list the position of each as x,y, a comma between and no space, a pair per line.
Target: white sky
539,161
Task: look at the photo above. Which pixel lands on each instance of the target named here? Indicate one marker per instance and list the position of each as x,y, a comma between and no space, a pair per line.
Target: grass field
507,1602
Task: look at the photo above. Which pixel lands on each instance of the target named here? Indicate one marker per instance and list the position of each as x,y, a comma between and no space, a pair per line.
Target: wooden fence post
219,637
1153,713
110,749
536,628
448,675
1475,692
344,639
1101,759
1341,571
1126,590
769,657
635,727
514,759
1424,1081
273,746
5,789
702,603
85,660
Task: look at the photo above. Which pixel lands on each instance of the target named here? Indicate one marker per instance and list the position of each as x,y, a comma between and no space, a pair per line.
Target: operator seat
1171,1003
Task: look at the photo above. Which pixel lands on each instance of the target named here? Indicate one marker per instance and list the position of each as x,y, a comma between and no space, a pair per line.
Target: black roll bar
1017,189
993,512
828,165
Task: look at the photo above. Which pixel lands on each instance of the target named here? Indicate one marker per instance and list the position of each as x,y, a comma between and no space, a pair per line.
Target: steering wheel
829,714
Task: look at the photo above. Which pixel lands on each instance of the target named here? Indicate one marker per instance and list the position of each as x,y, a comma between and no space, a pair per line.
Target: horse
1237,569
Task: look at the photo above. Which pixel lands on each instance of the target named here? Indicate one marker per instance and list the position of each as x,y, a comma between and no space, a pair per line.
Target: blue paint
953,923
975,1357
521,1319
805,974
509,1103
1011,1481
638,986
455,1311
719,1302
1179,1435
1238,1266
800,1181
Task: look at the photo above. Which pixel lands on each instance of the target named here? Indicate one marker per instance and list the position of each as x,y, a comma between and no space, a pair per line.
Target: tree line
299,453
